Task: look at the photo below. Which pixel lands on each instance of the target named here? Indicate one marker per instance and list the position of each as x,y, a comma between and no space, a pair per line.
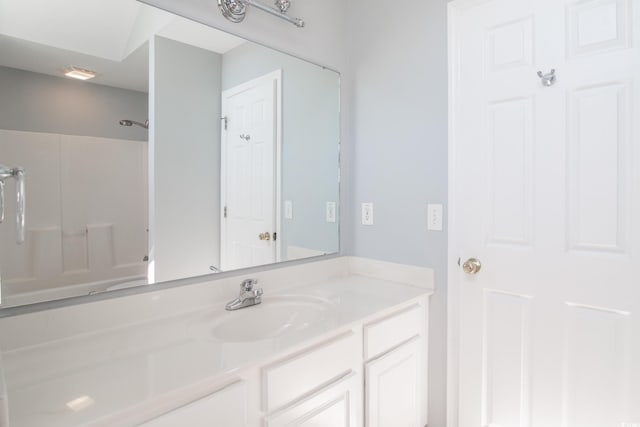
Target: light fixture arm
235,10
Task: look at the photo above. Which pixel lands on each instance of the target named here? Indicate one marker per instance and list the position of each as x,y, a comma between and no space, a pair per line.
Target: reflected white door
249,220
545,192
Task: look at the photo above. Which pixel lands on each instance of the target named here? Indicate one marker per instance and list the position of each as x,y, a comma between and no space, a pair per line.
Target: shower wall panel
86,211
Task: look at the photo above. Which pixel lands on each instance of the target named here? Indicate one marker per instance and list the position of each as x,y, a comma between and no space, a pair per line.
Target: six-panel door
546,195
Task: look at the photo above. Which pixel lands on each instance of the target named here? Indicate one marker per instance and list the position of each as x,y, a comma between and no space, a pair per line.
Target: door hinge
225,212
275,236
225,119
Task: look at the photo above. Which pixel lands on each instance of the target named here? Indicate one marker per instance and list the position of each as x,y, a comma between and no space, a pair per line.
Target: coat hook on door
245,137
548,79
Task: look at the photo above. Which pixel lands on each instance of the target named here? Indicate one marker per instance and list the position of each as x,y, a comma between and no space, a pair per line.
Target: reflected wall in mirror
238,166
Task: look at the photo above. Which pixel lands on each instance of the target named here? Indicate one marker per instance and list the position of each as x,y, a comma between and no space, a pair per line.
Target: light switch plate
331,212
367,214
288,209
434,217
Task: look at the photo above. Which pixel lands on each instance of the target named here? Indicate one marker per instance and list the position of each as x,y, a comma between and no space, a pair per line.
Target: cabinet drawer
226,407
307,371
336,405
385,334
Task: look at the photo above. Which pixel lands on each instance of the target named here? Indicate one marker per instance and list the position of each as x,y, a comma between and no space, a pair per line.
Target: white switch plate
434,217
331,211
367,214
288,209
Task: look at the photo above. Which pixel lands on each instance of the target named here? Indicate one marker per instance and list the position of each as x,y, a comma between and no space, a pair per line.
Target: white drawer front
296,376
226,407
393,330
335,406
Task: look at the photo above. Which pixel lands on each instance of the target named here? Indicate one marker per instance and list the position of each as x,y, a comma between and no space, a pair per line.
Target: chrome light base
233,10
283,5
236,10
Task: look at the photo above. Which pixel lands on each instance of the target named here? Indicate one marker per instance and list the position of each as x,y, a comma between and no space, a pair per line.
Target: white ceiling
130,73
107,36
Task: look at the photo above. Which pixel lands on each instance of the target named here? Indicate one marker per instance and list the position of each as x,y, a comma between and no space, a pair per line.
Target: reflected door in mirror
250,164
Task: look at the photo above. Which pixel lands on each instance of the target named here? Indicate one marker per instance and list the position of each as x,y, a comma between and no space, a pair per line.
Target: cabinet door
223,408
334,406
392,394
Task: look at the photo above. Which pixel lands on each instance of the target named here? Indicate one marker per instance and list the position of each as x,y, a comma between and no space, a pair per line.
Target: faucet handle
248,284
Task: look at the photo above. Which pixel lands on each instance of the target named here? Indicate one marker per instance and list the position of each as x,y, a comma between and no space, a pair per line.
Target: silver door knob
472,266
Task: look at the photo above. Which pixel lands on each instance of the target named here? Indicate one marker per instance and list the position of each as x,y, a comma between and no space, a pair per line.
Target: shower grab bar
16,173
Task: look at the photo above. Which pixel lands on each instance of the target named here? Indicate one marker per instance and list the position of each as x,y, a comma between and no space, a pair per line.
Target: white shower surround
74,234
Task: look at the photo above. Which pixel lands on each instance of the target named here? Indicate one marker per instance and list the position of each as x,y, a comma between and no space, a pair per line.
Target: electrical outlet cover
288,209
331,212
367,214
434,217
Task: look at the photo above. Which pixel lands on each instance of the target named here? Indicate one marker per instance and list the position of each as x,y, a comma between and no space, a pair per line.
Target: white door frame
453,270
273,76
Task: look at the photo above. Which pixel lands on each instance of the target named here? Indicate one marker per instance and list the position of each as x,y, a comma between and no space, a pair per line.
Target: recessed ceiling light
83,402
79,73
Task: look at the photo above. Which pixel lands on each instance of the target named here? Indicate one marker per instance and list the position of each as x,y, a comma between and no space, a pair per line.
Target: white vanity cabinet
347,349
373,374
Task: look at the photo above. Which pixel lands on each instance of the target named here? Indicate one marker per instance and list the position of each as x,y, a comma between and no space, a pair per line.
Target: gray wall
394,127
310,137
184,180
399,132
42,103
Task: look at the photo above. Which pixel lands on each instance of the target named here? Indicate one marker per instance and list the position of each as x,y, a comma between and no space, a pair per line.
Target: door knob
472,266
264,236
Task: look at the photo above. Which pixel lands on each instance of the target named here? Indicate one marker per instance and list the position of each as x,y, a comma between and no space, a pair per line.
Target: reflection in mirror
187,152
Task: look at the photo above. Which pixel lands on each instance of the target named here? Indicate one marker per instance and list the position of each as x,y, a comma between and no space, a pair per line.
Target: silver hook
245,137
548,79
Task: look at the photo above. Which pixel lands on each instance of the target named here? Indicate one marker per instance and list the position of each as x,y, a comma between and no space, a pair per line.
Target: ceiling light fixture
82,402
79,73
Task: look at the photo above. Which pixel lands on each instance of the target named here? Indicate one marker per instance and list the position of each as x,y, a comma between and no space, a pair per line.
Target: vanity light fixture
79,73
236,10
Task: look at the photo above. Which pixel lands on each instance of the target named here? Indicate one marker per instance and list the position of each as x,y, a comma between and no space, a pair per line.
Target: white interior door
249,148
545,192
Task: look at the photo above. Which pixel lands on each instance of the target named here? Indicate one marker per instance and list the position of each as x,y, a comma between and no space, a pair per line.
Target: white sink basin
276,316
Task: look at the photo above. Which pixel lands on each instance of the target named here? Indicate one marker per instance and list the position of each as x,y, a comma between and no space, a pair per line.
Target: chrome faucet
248,296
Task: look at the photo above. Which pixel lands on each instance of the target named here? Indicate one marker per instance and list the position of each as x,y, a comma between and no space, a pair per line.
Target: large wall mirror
187,151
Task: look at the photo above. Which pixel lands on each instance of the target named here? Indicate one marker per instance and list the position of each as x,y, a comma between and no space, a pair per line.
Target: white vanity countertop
81,379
